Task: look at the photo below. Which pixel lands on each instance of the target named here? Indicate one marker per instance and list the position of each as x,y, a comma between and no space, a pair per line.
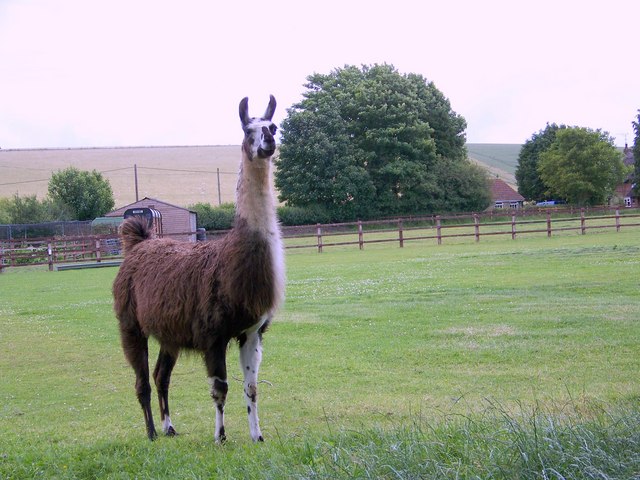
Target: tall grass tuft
493,445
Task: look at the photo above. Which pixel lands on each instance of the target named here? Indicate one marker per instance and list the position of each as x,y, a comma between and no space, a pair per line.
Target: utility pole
219,194
135,178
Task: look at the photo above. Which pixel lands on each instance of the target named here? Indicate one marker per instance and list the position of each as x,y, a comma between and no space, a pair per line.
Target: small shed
503,196
177,222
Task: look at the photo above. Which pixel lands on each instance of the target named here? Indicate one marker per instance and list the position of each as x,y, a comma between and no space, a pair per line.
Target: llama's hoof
221,438
152,435
260,439
171,432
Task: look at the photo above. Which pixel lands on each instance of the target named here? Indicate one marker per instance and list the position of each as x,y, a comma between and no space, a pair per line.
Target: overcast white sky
82,73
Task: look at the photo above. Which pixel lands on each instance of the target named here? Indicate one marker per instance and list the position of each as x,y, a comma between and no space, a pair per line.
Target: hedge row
221,218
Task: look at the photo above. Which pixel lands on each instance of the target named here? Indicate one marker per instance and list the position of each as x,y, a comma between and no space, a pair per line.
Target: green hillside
500,159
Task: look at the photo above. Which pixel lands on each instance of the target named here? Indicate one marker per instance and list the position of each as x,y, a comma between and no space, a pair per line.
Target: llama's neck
255,202
256,210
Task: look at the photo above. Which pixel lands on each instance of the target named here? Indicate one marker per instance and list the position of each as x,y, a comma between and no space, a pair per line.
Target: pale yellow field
178,175
181,175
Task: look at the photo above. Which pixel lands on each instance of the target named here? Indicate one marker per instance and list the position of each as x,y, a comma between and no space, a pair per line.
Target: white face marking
261,142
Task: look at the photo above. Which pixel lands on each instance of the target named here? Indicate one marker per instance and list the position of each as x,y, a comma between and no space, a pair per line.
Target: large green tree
87,194
530,185
371,141
582,166
636,153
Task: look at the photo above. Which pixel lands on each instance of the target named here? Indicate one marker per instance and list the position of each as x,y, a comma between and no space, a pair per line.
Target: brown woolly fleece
190,295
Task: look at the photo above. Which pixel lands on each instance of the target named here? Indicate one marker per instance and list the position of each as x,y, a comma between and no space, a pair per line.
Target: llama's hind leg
250,359
216,361
135,346
162,377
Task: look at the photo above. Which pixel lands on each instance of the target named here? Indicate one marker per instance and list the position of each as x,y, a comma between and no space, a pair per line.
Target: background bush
214,218
290,216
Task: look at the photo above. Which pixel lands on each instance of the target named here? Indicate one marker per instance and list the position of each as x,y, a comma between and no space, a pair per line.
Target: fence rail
58,250
437,228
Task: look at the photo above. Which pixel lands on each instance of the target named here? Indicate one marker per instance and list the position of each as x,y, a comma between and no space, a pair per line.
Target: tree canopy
371,141
87,194
581,165
29,209
530,185
636,152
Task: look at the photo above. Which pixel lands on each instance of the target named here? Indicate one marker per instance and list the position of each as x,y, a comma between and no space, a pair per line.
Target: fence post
438,230
476,221
360,235
400,233
513,226
582,219
617,220
319,233
98,259
50,256
548,224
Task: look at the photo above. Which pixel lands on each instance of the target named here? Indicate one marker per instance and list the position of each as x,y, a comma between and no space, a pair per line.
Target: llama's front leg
250,358
217,368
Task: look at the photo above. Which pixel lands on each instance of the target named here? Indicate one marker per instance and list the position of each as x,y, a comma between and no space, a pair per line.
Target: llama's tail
133,231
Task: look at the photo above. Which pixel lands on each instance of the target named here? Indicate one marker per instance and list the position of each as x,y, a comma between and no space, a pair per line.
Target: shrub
221,218
214,218
291,216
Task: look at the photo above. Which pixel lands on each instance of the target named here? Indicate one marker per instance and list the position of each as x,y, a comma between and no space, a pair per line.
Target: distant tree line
636,153
368,142
575,164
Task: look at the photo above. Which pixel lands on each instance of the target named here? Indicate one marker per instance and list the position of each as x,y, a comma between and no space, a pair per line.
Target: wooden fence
441,229
438,229
58,250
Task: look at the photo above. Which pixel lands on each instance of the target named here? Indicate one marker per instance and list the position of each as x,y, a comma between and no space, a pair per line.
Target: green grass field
502,359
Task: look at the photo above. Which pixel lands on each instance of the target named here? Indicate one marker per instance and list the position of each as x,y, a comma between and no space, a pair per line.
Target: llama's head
259,133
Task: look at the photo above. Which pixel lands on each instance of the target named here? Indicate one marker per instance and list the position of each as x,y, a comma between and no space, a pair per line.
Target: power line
116,169
25,181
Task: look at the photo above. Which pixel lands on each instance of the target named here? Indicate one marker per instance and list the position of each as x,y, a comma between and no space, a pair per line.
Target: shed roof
502,192
144,202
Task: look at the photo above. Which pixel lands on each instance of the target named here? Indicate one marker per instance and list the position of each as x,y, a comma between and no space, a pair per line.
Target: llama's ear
268,115
244,111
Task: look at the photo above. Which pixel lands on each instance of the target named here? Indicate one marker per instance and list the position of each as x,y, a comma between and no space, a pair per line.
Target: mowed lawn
369,340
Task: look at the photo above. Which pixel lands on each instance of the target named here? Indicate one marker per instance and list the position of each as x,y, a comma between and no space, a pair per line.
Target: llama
200,296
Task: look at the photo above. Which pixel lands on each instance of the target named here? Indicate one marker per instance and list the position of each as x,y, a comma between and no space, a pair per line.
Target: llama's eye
273,129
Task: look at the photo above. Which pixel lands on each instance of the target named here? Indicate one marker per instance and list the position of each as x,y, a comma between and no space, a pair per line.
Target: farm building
177,222
503,196
625,192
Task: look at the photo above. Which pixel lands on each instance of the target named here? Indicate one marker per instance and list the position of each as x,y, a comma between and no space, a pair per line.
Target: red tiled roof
624,190
502,192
